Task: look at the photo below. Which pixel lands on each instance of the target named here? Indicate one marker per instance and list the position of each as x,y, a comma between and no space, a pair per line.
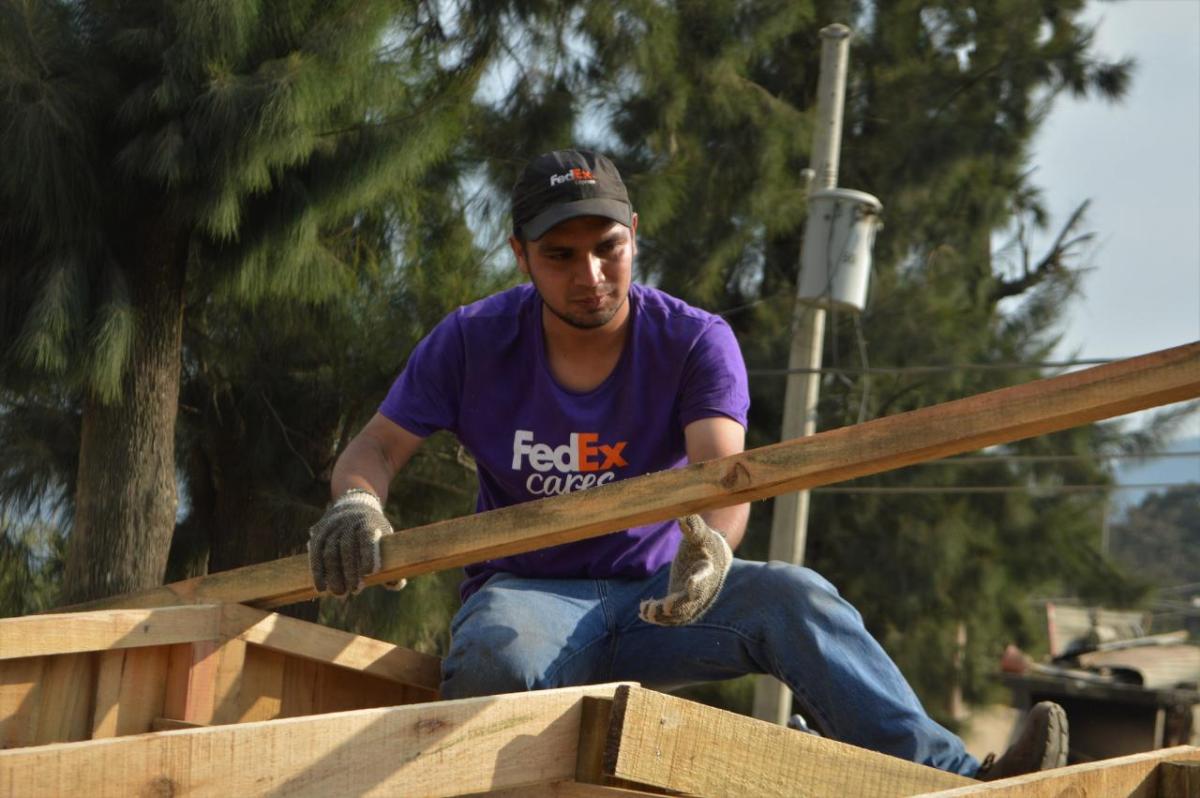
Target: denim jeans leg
517,634
790,622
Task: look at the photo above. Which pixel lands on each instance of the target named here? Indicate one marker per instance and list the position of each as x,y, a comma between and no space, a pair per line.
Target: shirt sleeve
427,395
714,378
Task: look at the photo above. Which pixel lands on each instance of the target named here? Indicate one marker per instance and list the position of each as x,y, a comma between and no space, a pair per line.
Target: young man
580,378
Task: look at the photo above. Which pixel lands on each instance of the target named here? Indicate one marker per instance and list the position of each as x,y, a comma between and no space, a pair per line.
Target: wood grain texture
418,751
131,688
64,711
333,646
192,681
964,425
1134,776
37,635
20,700
566,789
1179,780
669,743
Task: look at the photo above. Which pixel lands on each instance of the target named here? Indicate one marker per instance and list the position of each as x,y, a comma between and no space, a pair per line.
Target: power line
1038,489
901,370
1052,458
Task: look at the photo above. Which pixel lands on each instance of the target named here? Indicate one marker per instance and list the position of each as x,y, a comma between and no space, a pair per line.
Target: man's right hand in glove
343,547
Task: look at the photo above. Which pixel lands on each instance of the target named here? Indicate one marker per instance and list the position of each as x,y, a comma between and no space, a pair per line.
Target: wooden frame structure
184,690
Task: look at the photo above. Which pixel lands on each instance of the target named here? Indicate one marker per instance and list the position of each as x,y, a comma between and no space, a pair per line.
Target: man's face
582,269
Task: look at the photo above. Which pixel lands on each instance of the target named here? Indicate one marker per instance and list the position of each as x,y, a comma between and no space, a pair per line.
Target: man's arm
708,439
343,547
374,457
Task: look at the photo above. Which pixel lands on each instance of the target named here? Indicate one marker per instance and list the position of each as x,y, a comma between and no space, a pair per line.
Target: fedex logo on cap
576,175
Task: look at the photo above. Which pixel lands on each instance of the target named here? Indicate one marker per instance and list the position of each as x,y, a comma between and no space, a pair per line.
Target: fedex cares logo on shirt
576,175
582,462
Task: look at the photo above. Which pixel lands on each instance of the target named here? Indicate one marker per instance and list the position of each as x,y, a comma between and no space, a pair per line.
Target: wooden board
39,635
964,425
130,690
320,643
1134,776
418,751
673,744
20,700
567,789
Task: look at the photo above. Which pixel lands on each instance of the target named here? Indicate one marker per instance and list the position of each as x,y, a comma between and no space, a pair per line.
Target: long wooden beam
963,425
419,751
40,635
1133,776
672,744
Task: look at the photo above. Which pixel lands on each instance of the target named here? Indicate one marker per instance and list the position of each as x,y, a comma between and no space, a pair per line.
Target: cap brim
539,225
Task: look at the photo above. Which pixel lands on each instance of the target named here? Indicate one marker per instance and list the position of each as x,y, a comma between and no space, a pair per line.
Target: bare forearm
730,520
362,465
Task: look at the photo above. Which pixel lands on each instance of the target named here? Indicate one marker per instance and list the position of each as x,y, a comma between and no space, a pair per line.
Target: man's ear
521,254
633,233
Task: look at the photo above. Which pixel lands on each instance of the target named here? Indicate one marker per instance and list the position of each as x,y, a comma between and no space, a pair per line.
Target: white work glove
697,574
343,547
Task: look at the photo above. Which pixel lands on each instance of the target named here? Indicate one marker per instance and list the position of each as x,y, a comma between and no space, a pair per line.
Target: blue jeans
518,634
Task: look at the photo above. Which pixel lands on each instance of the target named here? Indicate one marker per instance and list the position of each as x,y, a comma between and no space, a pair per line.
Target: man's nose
591,271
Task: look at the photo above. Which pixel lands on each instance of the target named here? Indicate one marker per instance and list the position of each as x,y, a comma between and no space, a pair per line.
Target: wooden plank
36,635
419,751
192,681
260,687
66,695
1179,780
964,425
131,689
566,789
228,704
1134,776
593,737
333,646
20,700
170,724
673,744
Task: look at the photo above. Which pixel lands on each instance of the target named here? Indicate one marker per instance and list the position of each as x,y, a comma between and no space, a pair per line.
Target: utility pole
789,523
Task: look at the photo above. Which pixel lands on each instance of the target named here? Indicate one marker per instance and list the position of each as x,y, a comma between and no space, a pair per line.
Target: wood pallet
137,695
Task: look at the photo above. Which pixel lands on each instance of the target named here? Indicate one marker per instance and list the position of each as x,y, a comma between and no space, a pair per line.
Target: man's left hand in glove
697,574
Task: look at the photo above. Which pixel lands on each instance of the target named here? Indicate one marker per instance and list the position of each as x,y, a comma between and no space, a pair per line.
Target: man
577,379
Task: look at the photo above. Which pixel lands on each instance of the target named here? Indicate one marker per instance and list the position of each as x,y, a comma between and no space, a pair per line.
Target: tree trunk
125,495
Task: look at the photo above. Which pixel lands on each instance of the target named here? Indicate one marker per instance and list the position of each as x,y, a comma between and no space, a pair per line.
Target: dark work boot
1041,744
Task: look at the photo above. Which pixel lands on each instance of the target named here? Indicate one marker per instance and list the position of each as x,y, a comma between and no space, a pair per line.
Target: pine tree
168,155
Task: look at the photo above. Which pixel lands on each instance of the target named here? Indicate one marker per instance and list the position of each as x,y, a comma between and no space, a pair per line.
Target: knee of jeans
476,668
805,589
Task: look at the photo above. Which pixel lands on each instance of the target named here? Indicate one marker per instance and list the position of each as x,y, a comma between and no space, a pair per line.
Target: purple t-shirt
482,374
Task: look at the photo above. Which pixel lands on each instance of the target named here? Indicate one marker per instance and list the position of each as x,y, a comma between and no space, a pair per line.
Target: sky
1139,163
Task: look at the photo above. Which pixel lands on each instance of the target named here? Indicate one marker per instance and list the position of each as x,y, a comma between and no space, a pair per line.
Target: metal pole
789,523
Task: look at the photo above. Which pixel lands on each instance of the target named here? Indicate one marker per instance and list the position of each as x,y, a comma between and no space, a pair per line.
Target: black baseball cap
564,184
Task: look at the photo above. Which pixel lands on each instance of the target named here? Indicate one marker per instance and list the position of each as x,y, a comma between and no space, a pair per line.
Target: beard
589,321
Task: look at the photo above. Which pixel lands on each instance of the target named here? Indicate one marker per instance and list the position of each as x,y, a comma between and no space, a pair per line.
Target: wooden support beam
335,647
567,789
40,635
669,743
964,425
419,751
1179,779
1134,776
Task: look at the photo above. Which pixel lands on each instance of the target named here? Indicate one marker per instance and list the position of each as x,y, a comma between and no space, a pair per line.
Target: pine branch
1054,261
